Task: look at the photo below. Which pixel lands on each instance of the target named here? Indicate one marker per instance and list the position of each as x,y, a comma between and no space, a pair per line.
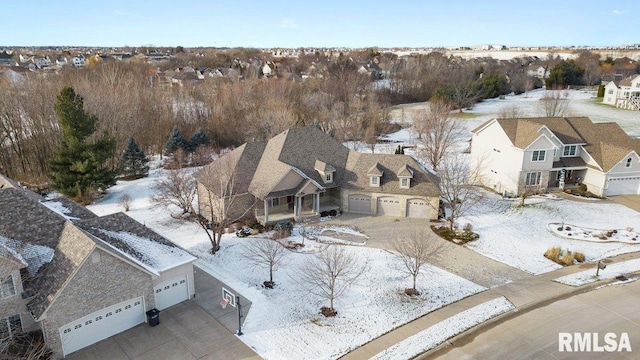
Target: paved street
534,334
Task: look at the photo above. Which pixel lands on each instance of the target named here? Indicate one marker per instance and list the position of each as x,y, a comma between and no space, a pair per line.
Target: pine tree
175,141
199,138
134,161
79,167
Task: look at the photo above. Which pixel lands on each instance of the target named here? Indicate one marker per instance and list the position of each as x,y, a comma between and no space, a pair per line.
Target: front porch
297,208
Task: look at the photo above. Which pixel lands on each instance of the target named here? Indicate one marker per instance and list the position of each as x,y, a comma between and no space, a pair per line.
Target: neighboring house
78,277
539,71
623,94
78,61
42,62
302,172
541,153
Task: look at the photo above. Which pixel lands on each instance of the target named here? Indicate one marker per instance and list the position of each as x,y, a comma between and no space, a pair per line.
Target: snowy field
284,323
610,272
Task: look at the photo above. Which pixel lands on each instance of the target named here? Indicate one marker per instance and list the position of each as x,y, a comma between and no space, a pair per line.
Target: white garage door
388,206
418,208
360,204
623,185
171,292
101,325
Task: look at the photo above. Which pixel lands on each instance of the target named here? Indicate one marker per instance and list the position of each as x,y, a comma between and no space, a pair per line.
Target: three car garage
395,206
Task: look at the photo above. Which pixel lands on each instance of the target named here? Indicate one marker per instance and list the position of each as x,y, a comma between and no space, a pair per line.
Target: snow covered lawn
610,272
284,322
437,334
519,236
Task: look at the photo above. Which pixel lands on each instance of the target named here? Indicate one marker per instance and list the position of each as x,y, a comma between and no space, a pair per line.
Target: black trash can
153,317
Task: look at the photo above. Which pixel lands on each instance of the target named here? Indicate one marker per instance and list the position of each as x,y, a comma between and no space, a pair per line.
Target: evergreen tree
563,74
400,150
199,138
175,141
79,166
134,161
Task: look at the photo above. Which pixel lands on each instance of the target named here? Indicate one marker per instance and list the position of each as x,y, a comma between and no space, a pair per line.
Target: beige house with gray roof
78,277
303,172
542,153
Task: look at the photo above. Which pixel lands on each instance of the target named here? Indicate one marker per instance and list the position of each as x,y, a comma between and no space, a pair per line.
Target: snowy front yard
519,236
284,322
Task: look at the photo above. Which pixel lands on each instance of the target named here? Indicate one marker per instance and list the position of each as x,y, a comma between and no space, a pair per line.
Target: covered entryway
418,208
623,185
171,292
360,204
388,206
101,325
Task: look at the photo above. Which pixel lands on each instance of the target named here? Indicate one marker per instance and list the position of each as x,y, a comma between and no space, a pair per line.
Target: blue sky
299,23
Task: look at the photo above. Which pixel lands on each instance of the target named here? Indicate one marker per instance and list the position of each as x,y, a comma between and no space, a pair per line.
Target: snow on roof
59,208
152,255
33,256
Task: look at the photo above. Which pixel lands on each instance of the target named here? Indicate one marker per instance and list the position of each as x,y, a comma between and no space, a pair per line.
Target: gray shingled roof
136,241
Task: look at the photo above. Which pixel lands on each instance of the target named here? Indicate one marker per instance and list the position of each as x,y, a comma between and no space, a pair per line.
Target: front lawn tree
329,274
459,188
80,167
134,161
413,250
438,132
175,188
267,253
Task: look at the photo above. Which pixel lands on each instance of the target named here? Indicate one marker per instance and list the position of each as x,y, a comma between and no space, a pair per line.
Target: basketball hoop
224,303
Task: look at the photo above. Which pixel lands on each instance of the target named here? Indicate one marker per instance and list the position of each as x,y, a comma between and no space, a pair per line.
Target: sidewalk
524,294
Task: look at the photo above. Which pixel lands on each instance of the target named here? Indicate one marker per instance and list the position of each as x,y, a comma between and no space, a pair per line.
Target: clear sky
319,23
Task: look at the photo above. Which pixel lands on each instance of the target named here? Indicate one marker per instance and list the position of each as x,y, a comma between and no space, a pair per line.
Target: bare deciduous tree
438,132
459,185
267,253
413,250
218,201
177,188
555,103
329,274
125,201
510,112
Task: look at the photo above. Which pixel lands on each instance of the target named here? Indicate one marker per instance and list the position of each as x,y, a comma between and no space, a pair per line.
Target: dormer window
570,150
405,174
375,175
328,177
375,181
628,162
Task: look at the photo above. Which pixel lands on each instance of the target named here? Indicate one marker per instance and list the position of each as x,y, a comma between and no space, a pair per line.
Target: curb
468,335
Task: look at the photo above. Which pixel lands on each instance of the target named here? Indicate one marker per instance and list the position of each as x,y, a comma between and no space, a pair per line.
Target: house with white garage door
304,172
78,277
543,153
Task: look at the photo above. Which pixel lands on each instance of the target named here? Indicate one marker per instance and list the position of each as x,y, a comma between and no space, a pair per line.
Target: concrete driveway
630,201
187,331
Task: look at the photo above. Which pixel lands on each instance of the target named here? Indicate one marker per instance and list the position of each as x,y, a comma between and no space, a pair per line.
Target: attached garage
101,324
360,204
418,208
171,292
388,206
623,185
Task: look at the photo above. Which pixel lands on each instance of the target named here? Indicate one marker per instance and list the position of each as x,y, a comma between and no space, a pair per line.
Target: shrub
467,227
567,191
125,201
333,213
283,225
324,214
567,258
578,256
328,312
582,187
553,253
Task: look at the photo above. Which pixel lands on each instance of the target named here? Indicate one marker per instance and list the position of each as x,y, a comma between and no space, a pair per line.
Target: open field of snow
519,236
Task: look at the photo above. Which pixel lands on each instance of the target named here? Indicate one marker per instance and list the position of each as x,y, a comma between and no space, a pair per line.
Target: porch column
316,200
266,211
297,211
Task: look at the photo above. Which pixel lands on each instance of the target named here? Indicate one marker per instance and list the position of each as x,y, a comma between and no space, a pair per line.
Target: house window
375,181
533,178
6,287
275,202
610,91
404,183
328,177
628,162
570,150
538,155
9,326
321,194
